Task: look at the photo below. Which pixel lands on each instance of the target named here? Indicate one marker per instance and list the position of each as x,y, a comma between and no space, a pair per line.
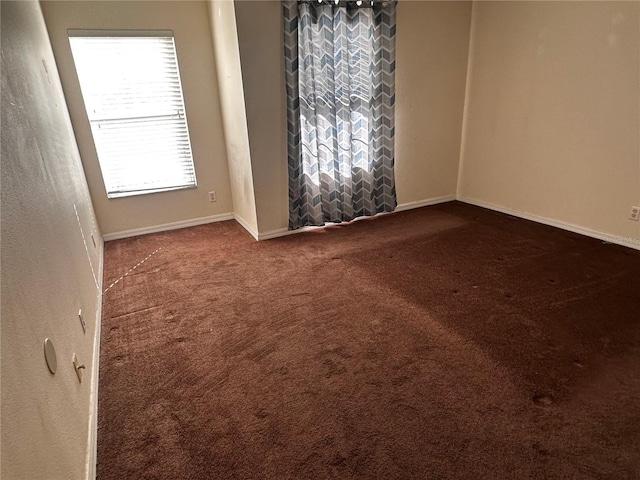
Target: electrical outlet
634,214
212,196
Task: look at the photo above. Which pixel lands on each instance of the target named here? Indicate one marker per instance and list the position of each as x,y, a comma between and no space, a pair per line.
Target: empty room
320,239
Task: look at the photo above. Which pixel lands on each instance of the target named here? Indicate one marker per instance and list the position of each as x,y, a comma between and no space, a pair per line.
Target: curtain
340,69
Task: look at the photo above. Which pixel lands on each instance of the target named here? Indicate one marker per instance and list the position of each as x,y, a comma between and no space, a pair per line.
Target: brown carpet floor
444,342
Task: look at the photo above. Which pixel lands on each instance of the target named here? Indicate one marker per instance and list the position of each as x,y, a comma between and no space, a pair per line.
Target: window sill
136,193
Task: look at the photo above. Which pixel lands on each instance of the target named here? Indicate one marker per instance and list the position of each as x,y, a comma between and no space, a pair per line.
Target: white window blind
132,92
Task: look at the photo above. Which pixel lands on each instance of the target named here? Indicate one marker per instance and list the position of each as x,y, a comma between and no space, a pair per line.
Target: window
131,88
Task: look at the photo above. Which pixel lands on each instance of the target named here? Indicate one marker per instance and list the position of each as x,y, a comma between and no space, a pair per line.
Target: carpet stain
333,368
542,399
262,414
400,380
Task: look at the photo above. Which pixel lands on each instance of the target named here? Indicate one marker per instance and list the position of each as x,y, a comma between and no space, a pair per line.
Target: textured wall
50,267
553,112
234,117
189,22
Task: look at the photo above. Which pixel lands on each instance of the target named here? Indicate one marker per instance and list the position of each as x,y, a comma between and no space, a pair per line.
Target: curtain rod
349,3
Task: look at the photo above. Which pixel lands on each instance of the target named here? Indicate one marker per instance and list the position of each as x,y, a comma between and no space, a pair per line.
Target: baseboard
92,445
424,203
168,226
246,226
606,237
282,232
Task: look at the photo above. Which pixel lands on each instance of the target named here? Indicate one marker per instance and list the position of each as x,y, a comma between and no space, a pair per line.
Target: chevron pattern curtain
340,69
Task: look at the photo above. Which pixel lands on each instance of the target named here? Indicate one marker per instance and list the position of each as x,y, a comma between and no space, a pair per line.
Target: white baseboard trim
424,203
168,226
606,237
282,232
92,446
246,226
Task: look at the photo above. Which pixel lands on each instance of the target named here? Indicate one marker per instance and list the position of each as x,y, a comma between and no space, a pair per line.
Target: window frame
123,33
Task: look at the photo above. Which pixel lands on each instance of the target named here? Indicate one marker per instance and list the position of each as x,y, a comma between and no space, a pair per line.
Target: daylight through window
131,88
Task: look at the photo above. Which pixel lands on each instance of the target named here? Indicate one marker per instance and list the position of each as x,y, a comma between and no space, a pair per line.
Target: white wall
234,116
50,268
190,24
551,108
431,50
553,113
260,38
